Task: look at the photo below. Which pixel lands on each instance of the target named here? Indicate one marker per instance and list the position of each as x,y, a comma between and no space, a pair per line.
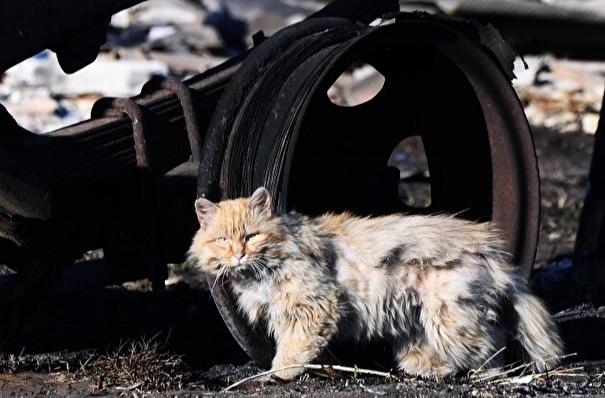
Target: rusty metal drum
447,83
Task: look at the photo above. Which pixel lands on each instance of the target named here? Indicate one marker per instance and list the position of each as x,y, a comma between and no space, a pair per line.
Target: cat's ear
260,201
205,210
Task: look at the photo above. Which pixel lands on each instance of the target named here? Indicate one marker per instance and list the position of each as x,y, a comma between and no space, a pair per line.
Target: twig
83,365
522,367
503,372
340,368
563,372
474,372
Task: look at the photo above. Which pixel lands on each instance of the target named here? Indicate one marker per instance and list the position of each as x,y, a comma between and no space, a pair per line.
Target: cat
441,290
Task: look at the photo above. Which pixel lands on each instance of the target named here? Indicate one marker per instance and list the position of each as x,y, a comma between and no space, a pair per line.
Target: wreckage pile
182,38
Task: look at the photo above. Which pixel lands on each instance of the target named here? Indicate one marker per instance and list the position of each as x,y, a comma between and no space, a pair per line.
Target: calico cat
441,290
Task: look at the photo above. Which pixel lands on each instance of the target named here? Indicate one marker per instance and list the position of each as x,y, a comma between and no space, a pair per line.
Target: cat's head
236,237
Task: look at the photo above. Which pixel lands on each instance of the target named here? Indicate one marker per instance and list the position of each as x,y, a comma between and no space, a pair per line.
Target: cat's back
373,240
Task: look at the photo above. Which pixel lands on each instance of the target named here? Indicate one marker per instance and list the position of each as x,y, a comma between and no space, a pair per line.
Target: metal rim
481,143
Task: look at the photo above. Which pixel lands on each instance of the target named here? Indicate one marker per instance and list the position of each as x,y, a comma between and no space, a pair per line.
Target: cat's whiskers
220,276
261,267
216,279
258,269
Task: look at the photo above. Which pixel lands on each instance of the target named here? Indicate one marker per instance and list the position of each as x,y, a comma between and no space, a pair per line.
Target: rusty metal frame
130,148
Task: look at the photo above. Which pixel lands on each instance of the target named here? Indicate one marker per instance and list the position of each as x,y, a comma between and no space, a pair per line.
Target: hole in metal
414,178
358,84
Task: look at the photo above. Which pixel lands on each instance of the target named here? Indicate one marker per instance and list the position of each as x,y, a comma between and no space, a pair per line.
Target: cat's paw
285,374
267,380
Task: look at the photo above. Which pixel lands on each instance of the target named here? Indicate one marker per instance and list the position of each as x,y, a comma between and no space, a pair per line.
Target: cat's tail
536,331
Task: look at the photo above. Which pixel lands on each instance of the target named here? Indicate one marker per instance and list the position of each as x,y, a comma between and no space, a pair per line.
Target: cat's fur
440,289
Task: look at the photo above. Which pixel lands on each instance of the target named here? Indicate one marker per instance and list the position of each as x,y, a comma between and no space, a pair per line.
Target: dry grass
512,374
520,373
145,366
139,365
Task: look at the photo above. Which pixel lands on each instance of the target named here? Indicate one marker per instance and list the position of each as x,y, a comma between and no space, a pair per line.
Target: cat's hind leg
455,336
421,359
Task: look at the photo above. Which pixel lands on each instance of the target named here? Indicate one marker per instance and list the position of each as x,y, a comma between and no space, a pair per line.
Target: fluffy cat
441,290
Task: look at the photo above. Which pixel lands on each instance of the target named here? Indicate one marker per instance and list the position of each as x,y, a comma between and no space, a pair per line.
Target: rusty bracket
126,107
183,93
119,107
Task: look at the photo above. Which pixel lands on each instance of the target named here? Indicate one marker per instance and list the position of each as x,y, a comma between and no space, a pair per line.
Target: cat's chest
253,299
255,294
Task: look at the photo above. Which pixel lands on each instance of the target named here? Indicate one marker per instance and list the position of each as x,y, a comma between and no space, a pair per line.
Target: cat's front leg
302,318
296,345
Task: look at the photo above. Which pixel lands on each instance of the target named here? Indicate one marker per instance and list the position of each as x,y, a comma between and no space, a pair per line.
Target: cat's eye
222,240
250,236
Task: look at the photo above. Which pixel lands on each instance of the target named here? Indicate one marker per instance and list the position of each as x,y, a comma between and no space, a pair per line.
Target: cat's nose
239,254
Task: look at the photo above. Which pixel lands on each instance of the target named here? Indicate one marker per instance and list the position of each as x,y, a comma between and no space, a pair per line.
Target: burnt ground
128,340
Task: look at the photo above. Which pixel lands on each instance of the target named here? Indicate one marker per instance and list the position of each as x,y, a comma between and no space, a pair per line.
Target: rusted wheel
440,84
